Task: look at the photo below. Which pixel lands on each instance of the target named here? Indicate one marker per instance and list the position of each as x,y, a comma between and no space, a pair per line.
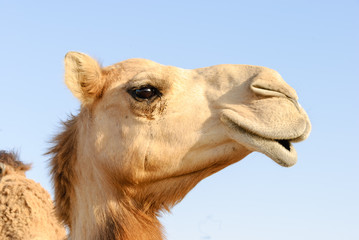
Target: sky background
313,44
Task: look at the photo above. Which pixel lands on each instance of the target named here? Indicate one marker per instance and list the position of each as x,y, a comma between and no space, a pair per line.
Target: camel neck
126,222
101,215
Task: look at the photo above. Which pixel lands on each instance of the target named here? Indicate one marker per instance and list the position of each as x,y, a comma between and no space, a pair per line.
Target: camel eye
145,93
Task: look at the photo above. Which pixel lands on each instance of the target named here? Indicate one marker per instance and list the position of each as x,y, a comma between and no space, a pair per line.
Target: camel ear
83,76
25,167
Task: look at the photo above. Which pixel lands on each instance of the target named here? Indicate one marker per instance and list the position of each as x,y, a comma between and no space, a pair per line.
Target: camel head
10,164
151,132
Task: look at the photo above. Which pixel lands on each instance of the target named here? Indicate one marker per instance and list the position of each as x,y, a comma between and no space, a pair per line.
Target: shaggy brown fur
26,209
62,169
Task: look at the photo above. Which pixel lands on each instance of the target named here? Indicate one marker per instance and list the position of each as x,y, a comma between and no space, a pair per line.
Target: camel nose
269,83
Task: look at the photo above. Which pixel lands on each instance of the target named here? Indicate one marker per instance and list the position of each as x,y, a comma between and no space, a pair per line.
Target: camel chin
278,147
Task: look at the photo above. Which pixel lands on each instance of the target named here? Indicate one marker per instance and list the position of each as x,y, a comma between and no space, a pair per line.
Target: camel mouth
285,143
281,150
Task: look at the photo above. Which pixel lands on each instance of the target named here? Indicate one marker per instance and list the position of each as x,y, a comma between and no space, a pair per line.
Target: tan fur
125,158
26,209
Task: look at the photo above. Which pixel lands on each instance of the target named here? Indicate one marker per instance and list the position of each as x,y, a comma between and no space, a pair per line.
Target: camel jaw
279,150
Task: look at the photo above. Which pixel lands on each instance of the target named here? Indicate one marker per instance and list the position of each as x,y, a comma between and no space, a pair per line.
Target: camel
26,209
147,133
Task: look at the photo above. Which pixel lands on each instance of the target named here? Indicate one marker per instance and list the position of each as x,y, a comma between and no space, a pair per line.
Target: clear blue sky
313,44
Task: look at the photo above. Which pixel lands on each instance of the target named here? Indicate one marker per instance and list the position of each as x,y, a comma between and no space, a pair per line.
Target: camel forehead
138,72
133,65
137,68
134,69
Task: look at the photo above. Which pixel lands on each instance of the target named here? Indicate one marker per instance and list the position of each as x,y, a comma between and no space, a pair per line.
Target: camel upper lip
280,149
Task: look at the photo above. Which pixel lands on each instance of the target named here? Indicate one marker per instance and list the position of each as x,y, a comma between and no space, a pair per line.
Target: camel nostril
266,91
273,87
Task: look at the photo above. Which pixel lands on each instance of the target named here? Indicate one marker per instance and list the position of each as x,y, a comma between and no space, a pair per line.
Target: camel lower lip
279,150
